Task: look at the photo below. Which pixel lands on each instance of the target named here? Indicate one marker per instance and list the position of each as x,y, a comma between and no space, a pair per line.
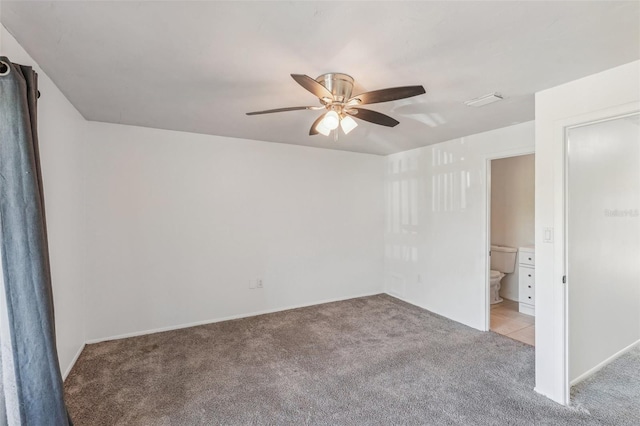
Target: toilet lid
495,274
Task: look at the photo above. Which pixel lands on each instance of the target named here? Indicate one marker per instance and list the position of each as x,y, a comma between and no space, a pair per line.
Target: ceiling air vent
484,100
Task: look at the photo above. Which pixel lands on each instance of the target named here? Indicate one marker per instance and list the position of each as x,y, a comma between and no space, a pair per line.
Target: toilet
503,261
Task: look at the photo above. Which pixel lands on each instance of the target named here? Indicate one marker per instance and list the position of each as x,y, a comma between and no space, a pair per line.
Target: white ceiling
199,66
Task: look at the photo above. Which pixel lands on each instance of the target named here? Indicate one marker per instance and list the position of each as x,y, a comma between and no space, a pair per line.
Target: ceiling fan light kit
321,128
331,120
333,91
348,124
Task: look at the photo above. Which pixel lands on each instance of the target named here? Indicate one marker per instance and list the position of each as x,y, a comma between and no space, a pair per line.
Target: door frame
487,288
563,126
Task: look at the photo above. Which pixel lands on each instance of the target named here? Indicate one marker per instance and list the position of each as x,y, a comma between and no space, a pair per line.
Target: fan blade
312,86
312,130
269,111
374,117
386,95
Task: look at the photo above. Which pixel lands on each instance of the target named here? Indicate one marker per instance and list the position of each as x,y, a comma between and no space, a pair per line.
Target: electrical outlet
259,283
252,284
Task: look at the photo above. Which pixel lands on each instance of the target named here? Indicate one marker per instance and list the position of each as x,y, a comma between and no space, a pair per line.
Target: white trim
417,305
525,308
413,303
508,153
231,317
604,363
487,263
73,362
545,394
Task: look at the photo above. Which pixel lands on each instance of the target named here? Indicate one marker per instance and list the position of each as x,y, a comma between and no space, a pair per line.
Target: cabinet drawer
526,276
528,295
527,258
527,285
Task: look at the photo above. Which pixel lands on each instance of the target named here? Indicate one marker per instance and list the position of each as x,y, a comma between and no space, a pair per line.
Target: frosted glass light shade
322,129
331,120
348,124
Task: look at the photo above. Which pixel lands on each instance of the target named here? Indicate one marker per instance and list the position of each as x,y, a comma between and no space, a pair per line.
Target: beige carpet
366,361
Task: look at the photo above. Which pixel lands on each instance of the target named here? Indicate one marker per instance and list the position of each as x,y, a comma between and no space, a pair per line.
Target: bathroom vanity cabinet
527,280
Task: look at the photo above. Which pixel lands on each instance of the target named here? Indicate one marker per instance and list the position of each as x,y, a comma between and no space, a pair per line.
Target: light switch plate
548,235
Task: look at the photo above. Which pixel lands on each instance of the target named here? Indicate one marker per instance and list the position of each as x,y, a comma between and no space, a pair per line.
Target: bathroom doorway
511,263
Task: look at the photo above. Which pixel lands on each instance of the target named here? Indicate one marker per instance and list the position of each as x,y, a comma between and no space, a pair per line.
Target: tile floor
506,320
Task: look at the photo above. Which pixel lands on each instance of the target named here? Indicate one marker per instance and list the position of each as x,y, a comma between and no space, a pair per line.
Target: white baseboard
603,363
397,296
552,397
394,295
525,308
73,362
232,317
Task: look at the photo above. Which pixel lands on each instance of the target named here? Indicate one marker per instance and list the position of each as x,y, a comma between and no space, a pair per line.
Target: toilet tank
503,259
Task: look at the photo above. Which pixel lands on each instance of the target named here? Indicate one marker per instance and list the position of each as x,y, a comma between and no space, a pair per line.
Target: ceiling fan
334,93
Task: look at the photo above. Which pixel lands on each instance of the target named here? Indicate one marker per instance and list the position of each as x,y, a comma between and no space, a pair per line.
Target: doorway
511,229
602,240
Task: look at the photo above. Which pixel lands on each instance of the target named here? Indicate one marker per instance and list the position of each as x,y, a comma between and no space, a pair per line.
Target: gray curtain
29,358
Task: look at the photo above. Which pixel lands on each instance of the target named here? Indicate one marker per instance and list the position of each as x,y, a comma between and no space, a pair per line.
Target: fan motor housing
340,85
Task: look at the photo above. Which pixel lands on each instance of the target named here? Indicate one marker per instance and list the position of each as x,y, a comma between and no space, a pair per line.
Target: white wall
152,229
512,210
62,133
180,223
590,98
436,243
